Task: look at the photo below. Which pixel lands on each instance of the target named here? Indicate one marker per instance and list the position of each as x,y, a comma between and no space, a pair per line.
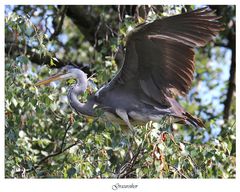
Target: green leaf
52,62
14,101
22,59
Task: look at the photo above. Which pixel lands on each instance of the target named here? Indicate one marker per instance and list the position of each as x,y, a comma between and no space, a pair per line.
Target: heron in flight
158,66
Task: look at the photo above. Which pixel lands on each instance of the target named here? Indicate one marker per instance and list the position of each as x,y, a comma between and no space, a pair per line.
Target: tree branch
128,167
13,48
59,24
216,44
62,150
57,153
179,172
230,34
86,23
231,81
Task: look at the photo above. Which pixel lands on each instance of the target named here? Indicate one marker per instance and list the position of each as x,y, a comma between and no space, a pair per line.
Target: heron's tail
183,116
193,120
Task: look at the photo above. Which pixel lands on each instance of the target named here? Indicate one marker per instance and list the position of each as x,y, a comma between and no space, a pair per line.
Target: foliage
45,138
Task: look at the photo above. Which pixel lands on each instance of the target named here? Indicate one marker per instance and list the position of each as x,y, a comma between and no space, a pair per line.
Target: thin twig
60,23
62,150
64,137
127,168
179,172
58,153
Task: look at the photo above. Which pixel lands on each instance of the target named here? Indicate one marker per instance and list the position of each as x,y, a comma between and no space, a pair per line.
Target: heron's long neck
74,92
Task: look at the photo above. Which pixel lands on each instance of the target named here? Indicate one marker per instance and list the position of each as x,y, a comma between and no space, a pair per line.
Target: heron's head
66,72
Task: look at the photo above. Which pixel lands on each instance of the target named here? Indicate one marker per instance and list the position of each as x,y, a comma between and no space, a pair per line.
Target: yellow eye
64,71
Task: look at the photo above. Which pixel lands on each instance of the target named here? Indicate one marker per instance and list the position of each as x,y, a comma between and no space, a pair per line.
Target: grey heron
158,66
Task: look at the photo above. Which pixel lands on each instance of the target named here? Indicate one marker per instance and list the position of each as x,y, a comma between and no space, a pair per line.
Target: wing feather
159,58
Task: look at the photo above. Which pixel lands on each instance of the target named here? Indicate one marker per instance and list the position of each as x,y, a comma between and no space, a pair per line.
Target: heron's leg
124,116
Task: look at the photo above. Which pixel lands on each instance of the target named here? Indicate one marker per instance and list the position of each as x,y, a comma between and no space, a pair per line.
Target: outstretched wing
159,58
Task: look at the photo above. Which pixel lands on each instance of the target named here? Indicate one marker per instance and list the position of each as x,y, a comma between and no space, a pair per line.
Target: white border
2,95
66,185
120,2
105,185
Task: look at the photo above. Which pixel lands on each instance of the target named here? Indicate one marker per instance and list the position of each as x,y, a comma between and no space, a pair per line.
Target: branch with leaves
60,151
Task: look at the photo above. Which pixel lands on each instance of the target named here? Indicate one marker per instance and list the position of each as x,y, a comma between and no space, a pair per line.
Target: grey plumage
158,65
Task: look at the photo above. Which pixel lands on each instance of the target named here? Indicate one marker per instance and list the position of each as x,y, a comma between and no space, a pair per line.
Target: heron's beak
50,79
